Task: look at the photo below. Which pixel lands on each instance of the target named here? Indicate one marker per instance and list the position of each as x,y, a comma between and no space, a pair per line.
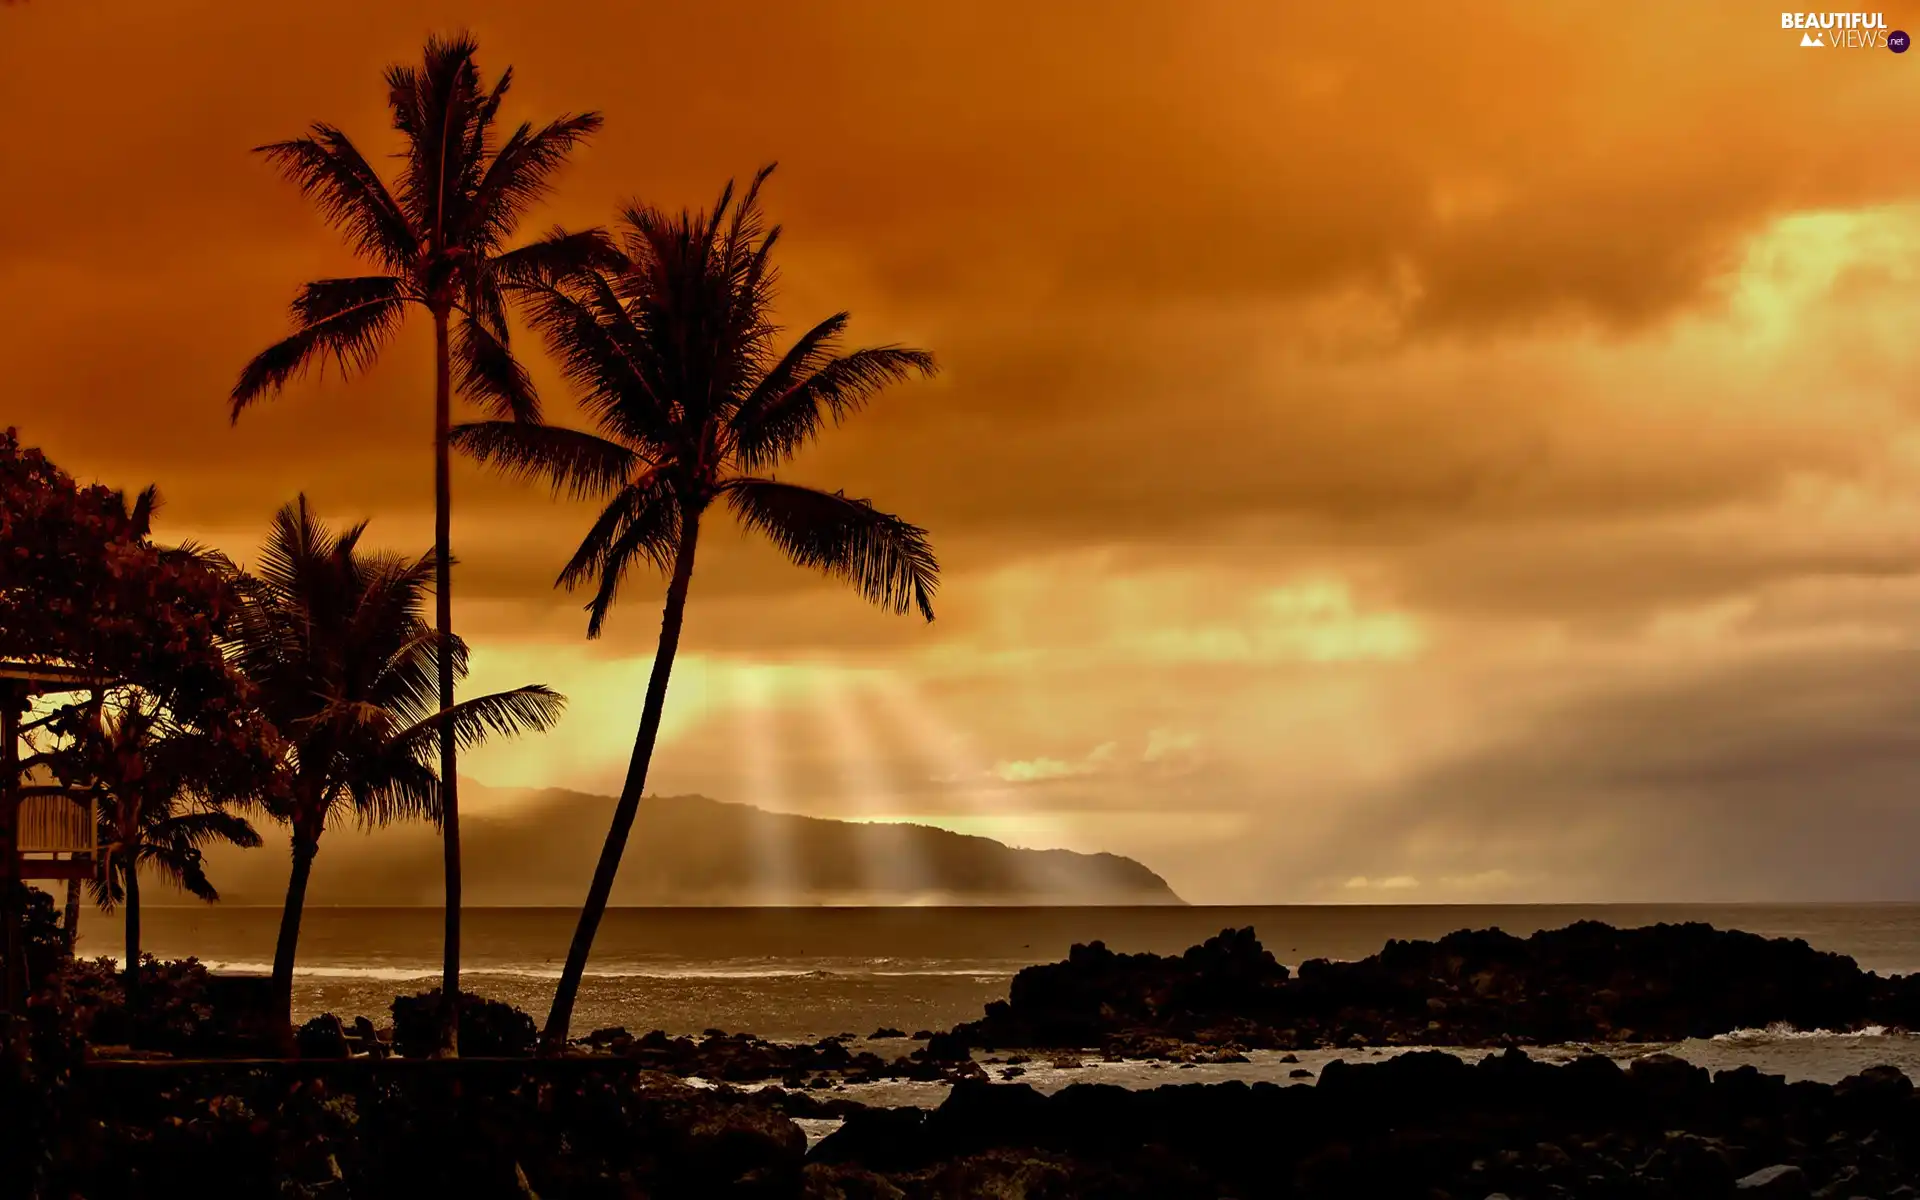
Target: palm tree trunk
443,621
70,919
133,937
304,848
555,1035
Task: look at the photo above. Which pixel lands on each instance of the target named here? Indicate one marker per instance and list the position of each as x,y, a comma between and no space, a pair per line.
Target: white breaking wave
1780,1031
393,974
397,974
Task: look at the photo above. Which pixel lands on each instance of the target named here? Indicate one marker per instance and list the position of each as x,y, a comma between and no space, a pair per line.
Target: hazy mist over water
808,972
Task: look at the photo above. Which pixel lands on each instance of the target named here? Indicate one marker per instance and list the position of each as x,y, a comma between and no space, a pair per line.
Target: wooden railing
55,823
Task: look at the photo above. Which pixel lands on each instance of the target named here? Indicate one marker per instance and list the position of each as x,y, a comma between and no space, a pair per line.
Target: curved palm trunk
555,1035
443,623
134,1006
304,849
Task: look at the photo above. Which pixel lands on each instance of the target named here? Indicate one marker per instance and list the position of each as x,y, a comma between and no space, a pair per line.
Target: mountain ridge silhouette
537,847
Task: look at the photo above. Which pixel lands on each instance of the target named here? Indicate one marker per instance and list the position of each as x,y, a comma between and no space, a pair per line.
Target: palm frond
521,173
205,558
172,847
650,531
889,561
298,549
489,374
802,393
331,172
383,638
192,879
353,335
600,353
106,889
203,827
399,788
408,682
643,521
534,708
557,256
140,515
574,463
745,263
324,299
441,111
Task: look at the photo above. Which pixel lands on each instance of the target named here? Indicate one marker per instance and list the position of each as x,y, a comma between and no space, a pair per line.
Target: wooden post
13,701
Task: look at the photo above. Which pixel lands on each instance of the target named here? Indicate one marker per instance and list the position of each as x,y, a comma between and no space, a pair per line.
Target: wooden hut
46,831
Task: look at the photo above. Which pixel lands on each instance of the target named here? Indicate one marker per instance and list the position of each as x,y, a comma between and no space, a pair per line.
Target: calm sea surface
808,972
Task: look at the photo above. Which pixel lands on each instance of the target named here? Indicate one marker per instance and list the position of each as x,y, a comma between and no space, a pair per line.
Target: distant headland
534,847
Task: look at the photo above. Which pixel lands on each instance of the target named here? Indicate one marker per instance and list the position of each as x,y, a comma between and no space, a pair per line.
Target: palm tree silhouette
344,666
672,348
155,812
440,238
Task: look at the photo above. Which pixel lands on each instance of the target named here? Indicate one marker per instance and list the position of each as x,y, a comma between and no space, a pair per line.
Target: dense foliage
176,1013
45,944
81,583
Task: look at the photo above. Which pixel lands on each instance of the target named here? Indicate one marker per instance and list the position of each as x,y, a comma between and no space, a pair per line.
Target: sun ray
758,716
959,773
892,865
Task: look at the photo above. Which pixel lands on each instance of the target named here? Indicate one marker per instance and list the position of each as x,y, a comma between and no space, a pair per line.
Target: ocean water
805,973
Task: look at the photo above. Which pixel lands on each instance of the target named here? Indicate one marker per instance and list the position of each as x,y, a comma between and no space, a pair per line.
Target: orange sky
1413,451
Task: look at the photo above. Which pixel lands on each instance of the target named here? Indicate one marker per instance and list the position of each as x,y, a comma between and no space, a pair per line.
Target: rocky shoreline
1424,1124
1586,983
368,1112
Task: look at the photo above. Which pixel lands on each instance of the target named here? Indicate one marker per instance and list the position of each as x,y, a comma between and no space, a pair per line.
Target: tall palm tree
344,666
154,810
439,237
673,349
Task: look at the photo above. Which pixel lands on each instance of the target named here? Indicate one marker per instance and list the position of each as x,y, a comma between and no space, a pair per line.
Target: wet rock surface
1424,1125
1587,982
1421,1125
744,1058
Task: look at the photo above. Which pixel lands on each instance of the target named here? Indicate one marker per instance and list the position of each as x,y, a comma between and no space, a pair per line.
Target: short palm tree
673,350
155,811
344,666
439,237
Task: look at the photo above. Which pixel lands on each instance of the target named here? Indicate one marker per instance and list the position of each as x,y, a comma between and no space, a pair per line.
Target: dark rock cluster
742,1057
568,1128
1425,1125
1588,982
488,1028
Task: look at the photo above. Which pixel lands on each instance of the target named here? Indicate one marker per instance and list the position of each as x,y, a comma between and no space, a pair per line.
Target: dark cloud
1787,777
1047,211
